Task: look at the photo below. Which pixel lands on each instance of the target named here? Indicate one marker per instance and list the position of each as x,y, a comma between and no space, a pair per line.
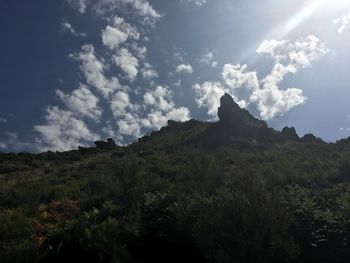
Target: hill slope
230,191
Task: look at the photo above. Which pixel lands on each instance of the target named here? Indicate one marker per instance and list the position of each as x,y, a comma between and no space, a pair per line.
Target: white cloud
127,62
270,99
120,104
184,68
93,70
208,59
67,27
196,2
148,72
163,108
79,5
159,97
63,131
126,114
343,22
141,8
237,76
300,53
139,51
82,102
289,57
208,96
118,33
129,127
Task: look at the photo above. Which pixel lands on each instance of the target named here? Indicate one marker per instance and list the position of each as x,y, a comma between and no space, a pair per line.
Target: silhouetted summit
236,126
236,118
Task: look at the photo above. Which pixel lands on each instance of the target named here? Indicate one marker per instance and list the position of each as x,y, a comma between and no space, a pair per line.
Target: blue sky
76,71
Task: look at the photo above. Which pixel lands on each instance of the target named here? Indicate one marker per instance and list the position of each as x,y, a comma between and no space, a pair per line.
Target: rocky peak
231,115
228,109
290,133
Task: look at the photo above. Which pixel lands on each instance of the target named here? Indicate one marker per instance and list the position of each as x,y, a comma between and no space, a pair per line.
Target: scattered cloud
127,62
184,68
299,53
289,57
67,27
63,131
81,102
237,76
139,51
208,59
118,33
3,120
208,96
79,5
162,108
343,23
196,2
267,95
141,8
159,98
148,72
93,70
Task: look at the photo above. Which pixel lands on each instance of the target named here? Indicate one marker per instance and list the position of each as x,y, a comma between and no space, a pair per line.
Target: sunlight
300,17
307,12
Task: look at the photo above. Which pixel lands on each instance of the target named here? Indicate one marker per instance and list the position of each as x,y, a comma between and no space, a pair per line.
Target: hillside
228,191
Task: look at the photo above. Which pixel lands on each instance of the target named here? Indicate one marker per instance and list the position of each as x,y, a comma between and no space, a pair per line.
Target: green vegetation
174,196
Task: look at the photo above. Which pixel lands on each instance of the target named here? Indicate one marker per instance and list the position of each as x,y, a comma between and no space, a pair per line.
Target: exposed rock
290,133
110,144
310,138
236,118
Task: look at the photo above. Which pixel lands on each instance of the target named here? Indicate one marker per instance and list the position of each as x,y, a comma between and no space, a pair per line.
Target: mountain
234,190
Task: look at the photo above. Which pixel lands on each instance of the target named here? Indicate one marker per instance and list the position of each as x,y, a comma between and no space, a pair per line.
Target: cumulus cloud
289,57
118,33
271,101
81,102
127,62
208,95
268,96
139,51
299,53
184,68
163,108
237,76
79,5
343,22
93,70
67,27
159,98
208,59
148,72
63,131
141,8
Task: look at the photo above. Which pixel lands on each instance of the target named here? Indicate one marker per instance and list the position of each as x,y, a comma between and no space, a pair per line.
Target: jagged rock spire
231,115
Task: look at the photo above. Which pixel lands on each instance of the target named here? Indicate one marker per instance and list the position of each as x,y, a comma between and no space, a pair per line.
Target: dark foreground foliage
168,198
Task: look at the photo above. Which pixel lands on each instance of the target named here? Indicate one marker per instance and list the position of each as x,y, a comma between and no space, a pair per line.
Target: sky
76,71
